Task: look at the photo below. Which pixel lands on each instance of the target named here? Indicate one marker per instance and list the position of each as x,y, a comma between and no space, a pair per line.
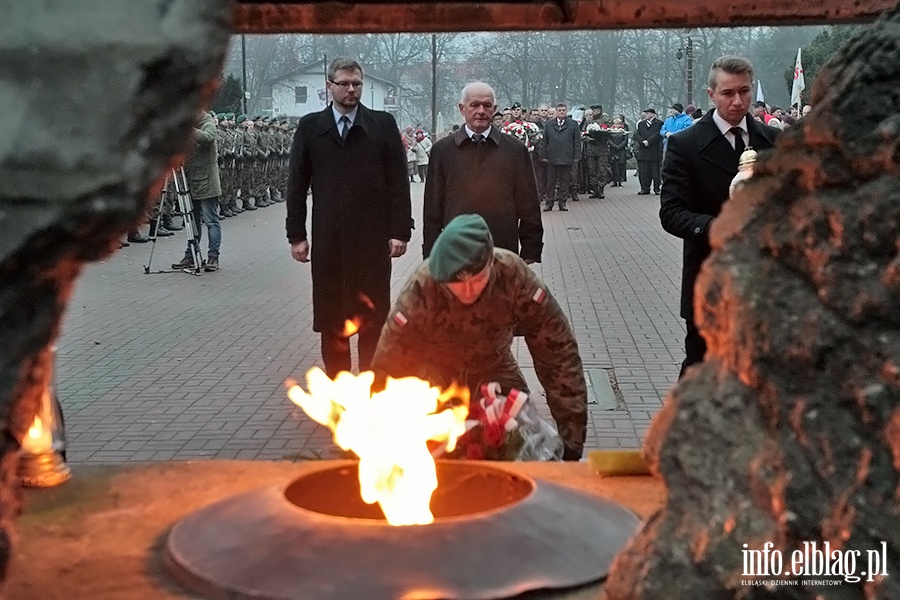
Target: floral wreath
526,132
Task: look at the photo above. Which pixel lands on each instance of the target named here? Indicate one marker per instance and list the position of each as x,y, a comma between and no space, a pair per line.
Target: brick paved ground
176,367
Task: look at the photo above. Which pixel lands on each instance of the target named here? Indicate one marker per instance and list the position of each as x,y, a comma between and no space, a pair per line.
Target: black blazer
649,132
699,166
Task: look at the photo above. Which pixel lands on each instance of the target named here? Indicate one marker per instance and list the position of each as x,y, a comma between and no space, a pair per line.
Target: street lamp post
244,93
689,55
433,84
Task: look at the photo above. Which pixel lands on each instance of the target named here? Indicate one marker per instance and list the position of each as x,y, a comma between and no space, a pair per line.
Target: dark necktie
345,126
559,124
478,138
738,140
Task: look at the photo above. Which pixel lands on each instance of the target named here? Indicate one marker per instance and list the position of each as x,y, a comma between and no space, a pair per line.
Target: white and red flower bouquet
526,132
507,428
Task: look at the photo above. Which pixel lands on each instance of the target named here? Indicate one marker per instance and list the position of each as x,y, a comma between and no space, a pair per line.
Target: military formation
253,161
253,167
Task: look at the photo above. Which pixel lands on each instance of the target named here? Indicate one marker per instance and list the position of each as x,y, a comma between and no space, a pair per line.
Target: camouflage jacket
248,147
431,335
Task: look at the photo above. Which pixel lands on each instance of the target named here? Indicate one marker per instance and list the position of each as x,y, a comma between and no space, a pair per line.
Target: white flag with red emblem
799,82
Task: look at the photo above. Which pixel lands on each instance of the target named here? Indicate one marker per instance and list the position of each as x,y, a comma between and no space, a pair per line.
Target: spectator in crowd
423,152
675,122
648,151
361,214
699,167
562,141
618,152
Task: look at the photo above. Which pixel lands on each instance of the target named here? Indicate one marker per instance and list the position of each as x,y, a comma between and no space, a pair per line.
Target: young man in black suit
648,151
700,163
361,217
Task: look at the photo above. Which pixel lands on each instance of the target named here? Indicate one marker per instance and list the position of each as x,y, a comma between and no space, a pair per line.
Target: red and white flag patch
400,319
539,295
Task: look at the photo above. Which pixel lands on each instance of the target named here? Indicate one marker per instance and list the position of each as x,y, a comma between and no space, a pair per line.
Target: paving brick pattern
170,366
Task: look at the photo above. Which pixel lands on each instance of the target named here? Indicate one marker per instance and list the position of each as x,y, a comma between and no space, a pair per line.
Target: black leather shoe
123,244
136,238
548,208
563,209
642,193
170,225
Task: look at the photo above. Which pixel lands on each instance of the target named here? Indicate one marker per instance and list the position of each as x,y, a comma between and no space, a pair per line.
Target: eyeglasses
347,84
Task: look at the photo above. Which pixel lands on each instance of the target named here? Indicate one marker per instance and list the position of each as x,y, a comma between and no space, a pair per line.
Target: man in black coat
648,151
562,147
479,170
700,163
361,217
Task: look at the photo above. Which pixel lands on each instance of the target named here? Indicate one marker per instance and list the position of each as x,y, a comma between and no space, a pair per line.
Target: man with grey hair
699,165
480,170
361,217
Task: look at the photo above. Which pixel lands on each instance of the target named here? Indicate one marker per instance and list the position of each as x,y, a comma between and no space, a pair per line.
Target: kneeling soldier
455,318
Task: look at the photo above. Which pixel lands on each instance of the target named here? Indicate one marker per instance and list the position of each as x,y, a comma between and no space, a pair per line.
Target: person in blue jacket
675,122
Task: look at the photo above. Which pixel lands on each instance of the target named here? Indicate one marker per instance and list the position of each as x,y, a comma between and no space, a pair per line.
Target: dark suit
562,146
700,164
649,156
495,180
360,196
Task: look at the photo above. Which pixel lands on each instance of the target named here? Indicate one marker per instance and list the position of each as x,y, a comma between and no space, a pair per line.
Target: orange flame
389,431
351,326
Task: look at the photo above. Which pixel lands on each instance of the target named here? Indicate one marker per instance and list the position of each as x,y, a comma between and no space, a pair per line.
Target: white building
303,91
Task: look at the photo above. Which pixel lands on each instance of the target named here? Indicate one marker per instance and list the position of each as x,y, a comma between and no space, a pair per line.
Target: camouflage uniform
247,176
262,165
596,152
431,335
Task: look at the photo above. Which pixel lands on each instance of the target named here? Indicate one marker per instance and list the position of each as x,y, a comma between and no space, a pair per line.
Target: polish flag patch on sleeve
400,319
539,295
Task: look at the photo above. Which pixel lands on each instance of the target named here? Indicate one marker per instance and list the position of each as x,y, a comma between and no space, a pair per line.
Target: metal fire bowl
496,534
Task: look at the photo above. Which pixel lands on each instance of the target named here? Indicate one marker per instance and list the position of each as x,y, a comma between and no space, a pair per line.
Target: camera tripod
191,226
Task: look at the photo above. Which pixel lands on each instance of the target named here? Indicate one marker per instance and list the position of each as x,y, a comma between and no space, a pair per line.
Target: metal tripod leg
154,229
191,227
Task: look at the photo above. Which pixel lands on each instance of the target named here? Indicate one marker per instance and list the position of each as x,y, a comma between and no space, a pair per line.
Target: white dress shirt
725,127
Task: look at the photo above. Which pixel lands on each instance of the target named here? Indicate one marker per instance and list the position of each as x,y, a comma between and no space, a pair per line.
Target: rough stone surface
790,431
97,99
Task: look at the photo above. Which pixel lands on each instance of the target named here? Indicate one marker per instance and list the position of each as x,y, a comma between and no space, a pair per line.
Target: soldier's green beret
229,116
241,118
463,248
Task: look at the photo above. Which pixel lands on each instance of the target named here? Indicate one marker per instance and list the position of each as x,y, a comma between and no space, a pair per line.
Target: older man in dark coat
700,163
479,170
361,216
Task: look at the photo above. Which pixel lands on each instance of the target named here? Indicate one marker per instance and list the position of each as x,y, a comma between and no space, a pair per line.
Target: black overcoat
699,166
360,200
650,132
494,180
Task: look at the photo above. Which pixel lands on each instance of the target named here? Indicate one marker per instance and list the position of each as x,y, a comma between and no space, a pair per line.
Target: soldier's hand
300,251
398,248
